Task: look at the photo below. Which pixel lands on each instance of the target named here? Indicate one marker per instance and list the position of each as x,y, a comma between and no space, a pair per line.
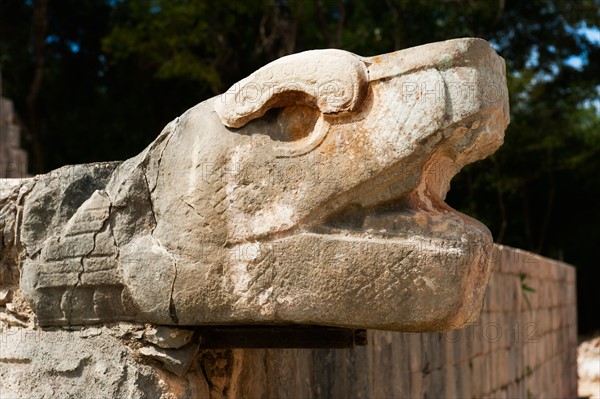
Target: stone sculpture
311,192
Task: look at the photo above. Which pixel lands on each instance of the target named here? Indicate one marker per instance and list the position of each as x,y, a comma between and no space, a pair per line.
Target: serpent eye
295,130
285,124
331,81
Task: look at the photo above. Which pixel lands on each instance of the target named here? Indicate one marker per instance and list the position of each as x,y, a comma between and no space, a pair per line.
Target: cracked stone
167,337
70,364
4,296
325,210
302,208
177,361
90,332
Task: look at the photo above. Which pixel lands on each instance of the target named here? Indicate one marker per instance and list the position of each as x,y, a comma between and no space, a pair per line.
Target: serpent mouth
403,218
414,206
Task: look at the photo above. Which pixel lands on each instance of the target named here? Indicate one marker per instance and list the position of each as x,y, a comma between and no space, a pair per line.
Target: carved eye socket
304,87
292,123
295,130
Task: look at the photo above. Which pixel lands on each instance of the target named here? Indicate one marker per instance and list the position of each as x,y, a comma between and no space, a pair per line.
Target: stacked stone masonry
13,160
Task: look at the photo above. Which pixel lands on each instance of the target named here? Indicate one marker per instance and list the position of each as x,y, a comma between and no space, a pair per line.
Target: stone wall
13,160
523,346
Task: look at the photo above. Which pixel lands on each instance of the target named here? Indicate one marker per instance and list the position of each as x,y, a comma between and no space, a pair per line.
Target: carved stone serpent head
311,192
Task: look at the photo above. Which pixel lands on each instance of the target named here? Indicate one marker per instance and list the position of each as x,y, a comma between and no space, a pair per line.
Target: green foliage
173,38
526,289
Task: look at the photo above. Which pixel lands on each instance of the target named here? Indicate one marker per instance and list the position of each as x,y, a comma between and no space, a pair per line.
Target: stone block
478,377
177,361
95,264
168,338
463,381
322,211
275,218
415,351
49,280
68,265
417,389
68,247
101,278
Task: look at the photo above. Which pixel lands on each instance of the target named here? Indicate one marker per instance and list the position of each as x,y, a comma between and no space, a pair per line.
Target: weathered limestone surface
322,203
312,192
513,350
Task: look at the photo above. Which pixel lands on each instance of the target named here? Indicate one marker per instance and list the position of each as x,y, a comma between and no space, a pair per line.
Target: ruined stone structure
522,345
322,205
310,193
13,160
